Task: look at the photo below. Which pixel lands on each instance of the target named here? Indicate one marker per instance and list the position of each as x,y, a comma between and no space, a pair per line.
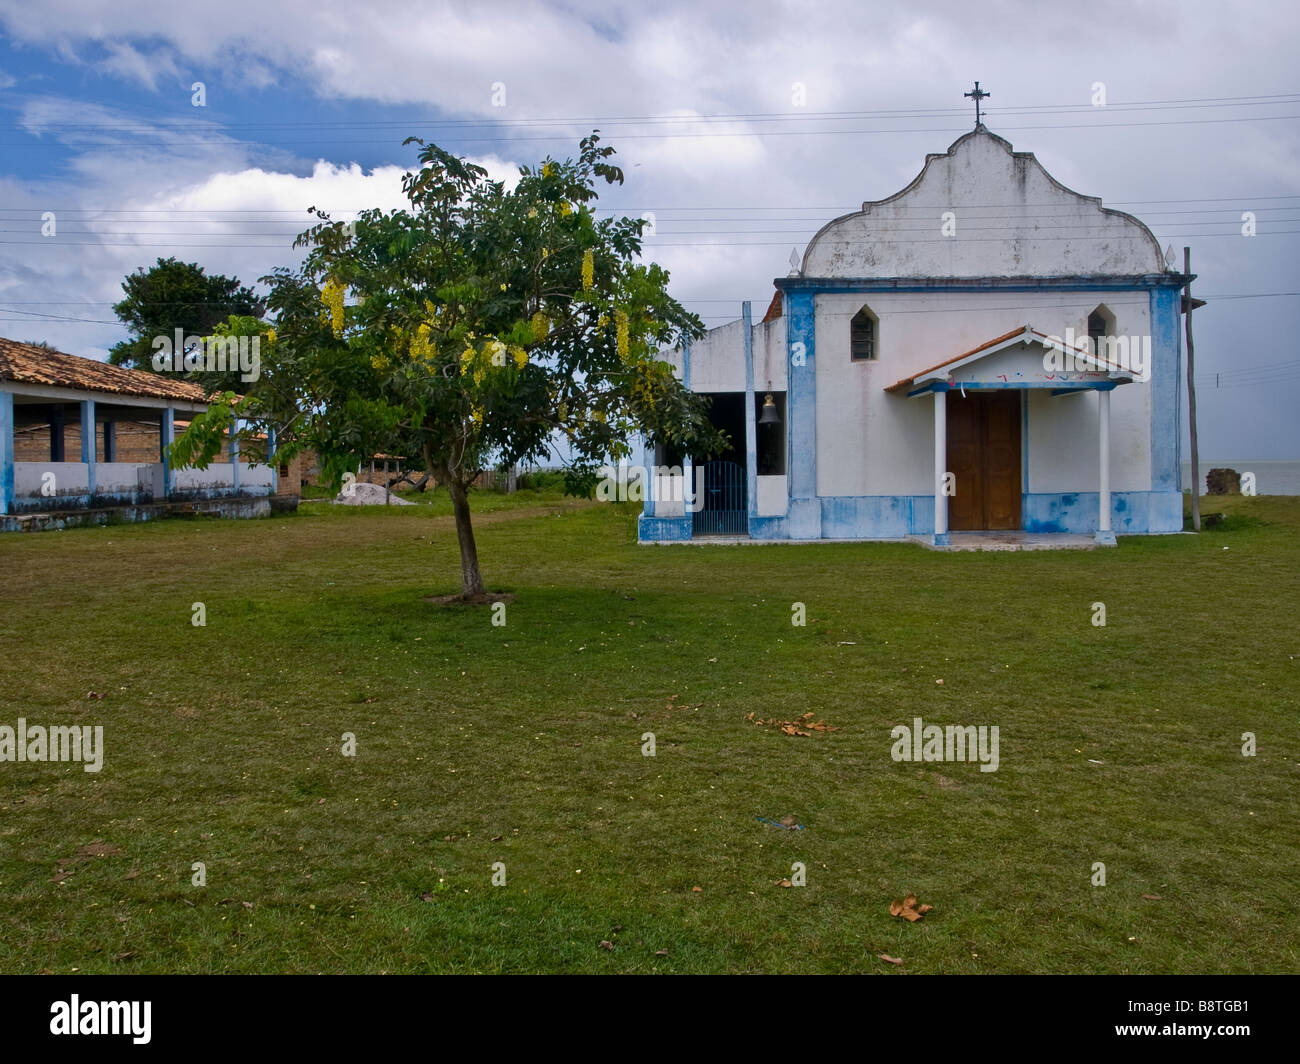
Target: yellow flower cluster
548,170
421,349
565,209
332,296
379,361
620,323
588,269
541,325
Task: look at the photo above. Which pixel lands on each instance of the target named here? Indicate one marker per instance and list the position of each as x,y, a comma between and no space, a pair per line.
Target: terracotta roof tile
38,365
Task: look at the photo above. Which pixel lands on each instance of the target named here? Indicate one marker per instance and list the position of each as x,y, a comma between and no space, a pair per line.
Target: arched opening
1101,324
863,336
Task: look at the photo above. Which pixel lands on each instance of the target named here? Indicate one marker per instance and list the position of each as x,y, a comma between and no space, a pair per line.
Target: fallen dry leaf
907,908
697,890
784,883
606,944
1151,897
426,896
888,959
661,953
793,727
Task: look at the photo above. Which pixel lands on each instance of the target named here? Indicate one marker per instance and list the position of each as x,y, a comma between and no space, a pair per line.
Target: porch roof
1101,374
28,364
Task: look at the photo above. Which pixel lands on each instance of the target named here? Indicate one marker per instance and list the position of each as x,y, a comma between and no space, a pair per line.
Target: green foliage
173,295
542,480
468,328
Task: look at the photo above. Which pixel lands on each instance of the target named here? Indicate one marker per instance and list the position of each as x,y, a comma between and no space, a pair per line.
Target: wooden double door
984,455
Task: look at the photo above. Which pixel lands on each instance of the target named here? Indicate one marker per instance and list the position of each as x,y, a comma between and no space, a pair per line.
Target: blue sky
307,104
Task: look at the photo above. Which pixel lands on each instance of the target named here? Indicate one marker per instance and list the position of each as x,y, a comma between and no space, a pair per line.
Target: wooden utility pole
1191,394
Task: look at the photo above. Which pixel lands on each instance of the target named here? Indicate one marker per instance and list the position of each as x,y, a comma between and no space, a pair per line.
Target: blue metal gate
725,511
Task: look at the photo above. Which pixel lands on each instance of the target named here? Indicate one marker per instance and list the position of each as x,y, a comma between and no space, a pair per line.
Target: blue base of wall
664,529
897,516
1131,512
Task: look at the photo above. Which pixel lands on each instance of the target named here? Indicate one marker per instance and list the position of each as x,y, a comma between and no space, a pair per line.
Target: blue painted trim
1166,372
1022,386
270,460
896,516
234,454
1123,282
1131,512
804,513
6,452
88,449
664,529
648,464
751,426
166,435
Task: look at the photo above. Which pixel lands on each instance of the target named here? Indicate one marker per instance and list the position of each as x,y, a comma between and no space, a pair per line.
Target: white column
1104,533
234,455
940,464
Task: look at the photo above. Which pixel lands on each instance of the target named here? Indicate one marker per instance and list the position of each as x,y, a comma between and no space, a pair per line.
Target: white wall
772,496
870,442
117,478
255,476
1012,219
70,478
219,475
718,360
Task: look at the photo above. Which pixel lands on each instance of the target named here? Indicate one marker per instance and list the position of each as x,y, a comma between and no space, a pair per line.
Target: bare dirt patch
486,598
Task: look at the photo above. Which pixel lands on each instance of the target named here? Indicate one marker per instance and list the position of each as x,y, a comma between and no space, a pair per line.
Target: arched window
862,336
1101,323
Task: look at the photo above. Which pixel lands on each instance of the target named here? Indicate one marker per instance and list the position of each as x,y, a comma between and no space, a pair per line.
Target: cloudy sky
308,103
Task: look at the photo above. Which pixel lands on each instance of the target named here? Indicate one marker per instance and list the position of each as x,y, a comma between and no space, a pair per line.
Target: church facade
985,350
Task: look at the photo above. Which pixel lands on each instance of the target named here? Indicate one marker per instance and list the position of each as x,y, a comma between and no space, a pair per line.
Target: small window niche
863,336
1101,323
770,442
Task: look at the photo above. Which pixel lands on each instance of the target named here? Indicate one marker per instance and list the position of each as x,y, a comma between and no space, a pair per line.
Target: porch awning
1028,358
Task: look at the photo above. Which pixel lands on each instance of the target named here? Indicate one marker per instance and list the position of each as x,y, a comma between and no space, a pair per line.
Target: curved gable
1010,217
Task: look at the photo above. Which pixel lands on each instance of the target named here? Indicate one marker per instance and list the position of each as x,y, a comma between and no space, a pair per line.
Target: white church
986,351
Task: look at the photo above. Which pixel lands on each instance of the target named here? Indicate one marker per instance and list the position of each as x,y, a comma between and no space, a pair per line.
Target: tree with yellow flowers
471,329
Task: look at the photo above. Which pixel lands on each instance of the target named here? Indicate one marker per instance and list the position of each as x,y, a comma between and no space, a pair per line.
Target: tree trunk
471,579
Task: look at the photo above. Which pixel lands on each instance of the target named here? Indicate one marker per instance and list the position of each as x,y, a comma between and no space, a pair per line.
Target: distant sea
1272,477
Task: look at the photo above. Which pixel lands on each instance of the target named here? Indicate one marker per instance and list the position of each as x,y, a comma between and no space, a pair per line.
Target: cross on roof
977,95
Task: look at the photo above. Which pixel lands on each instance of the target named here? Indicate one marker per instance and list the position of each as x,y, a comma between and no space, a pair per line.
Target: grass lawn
522,744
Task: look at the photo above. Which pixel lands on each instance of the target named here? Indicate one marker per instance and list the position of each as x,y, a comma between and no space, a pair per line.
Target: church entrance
984,456
725,510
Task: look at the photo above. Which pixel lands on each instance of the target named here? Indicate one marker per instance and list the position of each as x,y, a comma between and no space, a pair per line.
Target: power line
166,124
